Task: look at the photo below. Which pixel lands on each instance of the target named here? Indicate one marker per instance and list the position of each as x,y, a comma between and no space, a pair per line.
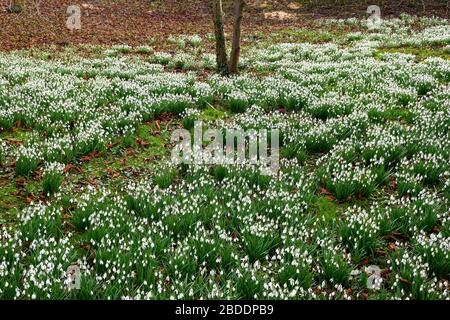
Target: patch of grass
335,268
420,53
258,247
394,114
219,172
25,166
10,202
15,135
325,208
248,286
166,178
213,113
128,141
51,183
188,123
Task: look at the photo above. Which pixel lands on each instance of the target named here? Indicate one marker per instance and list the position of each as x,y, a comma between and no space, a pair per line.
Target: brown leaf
112,145
405,281
393,182
90,156
30,199
70,167
324,191
385,273
392,246
14,141
86,246
20,182
38,173
131,152
142,143
70,224
112,173
147,160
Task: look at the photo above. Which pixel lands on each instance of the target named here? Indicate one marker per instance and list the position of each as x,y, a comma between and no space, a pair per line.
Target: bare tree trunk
236,48
221,49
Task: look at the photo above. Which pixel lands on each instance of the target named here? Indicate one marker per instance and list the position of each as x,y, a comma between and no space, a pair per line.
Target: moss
144,132
10,201
213,113
15,136
325,208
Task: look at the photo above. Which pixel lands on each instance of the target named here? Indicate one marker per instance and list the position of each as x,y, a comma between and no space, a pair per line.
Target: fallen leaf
405,281
392,246
324,191
142,143
20,182
385,273
70,167
90,156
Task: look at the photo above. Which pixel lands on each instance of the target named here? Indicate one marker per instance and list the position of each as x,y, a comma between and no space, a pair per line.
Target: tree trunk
236,48
221,49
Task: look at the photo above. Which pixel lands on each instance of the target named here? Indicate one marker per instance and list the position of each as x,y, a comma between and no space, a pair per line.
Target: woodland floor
134,22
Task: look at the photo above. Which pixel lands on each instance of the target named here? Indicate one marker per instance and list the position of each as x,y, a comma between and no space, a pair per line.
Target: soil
134,22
